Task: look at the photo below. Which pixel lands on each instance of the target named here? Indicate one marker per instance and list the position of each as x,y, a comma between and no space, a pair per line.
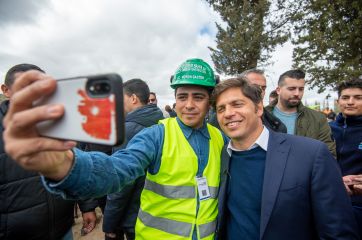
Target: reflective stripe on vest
174,192
207,229
175,227
166,225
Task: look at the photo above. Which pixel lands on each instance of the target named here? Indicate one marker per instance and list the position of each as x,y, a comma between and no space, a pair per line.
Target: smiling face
239,117
192,104
350,102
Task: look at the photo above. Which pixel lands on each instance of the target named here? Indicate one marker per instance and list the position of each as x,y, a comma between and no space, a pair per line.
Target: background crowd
289,187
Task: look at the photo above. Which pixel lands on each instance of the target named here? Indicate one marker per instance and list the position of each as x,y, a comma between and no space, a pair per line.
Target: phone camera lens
99,88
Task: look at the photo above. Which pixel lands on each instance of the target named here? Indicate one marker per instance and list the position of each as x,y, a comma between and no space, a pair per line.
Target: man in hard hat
181,155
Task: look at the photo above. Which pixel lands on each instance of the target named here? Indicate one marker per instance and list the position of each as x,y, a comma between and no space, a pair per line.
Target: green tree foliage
251,33
327,35
328,39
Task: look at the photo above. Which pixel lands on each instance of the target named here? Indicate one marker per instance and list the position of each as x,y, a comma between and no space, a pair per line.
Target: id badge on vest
204,192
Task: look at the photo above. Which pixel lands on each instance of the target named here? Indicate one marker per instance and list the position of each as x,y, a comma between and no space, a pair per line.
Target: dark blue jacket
139,119
122,208
303,195
347,132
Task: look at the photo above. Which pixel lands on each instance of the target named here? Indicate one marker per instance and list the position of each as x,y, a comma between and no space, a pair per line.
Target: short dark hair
23,67
352,83
139,88
250,91
168,108
296,74
208,89
153,93
273,94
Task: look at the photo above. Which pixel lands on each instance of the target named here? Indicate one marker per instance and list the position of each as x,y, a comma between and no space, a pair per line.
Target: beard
291,103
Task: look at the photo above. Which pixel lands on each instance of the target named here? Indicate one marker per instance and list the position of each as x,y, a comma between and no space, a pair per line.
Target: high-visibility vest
169,199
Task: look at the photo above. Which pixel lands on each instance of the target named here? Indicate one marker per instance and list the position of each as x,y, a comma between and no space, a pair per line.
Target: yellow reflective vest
169,199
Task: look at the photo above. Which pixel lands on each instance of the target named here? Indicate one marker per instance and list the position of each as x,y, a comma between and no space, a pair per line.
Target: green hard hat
194,72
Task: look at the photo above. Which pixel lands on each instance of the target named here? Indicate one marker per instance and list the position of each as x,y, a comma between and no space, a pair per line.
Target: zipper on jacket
343,135
297,123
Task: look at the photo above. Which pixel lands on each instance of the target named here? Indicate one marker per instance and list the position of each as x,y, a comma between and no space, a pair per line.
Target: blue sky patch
205,30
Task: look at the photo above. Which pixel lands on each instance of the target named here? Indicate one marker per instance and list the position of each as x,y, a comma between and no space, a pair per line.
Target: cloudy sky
144,39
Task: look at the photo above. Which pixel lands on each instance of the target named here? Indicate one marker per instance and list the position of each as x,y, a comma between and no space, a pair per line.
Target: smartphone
93,110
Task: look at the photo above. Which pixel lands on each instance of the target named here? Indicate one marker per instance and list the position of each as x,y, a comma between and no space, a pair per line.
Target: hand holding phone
93,110
34,102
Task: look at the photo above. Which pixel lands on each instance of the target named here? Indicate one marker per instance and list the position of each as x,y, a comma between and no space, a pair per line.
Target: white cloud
146,39
20,11
282,62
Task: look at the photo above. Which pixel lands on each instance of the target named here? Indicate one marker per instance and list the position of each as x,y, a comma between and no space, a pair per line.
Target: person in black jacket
27,209
121,210
256,77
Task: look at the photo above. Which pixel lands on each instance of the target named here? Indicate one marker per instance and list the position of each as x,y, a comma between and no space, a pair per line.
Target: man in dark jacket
122,208
27,209
347,132
298,119
257,77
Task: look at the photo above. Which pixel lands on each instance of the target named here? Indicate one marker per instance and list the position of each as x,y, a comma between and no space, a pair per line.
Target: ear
134,99
259,109
278,90
5,90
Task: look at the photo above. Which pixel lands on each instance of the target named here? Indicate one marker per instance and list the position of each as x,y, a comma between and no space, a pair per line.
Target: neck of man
247,142
286,109
136,106
351,116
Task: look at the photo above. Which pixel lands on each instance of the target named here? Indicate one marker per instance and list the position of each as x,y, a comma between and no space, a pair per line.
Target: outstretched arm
72,174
